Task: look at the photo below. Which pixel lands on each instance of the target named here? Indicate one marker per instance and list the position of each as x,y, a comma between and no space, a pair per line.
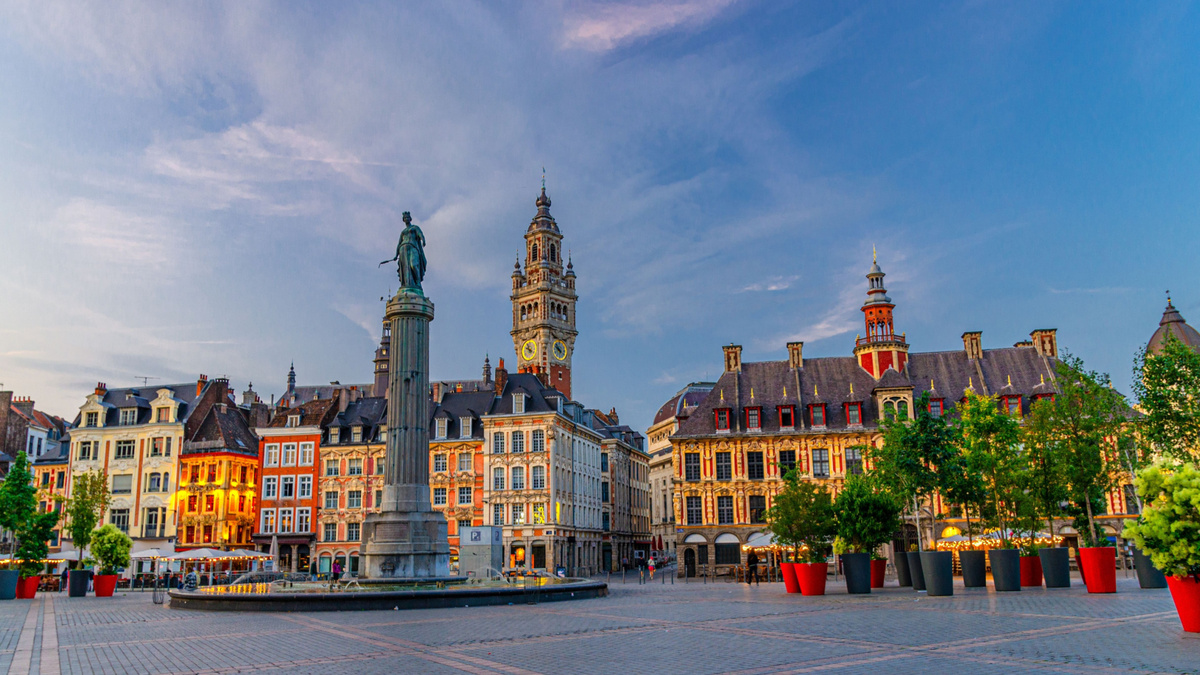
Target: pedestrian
651,566
66,575
337,570
752,567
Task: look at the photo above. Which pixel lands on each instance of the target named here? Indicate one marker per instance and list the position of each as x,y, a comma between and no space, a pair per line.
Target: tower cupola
880,348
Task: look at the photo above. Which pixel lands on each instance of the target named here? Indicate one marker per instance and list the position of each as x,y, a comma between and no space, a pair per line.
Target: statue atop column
410,256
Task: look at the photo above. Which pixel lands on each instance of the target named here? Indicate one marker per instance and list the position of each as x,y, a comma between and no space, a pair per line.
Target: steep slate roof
370,413
223,429
473,404
138,397
838,380
1172,323
59,454
688,397
312,413
308,393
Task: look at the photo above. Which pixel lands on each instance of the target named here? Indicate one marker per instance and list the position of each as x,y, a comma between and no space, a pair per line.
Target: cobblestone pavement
654,628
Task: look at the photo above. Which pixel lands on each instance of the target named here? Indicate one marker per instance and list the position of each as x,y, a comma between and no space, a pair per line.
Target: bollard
622,574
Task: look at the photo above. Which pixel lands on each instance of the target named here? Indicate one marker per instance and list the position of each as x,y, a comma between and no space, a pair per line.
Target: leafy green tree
89,500
19,513
1045,464
111,548
965,487
918,457
1168,529
1166,386
802,515
991,447
866,514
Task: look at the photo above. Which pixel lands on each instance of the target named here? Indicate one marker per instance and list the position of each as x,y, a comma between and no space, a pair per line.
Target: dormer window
721,419
293,421
937,406
787,417
464,427
128,416
854,414
335,435
816,413
754,419
92,419
1012,405
441,427
356,434
518,404
163,415
1043,397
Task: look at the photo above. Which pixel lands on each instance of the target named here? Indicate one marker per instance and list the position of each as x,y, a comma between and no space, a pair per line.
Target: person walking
651,566
752,567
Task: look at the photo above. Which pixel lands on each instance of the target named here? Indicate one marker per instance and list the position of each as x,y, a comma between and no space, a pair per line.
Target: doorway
689,562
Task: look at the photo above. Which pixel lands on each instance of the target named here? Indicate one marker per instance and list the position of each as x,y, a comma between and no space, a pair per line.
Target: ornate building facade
351,478
658,437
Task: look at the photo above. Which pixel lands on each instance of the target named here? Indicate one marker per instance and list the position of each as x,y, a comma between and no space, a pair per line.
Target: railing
881,339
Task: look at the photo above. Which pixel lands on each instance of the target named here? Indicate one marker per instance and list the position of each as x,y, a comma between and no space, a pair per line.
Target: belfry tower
543,303
881,348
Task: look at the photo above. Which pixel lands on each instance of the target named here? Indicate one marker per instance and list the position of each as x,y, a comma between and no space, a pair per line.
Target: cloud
111,236
776,283
600,26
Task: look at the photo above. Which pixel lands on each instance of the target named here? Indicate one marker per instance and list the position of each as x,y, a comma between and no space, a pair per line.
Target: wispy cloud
602,26
776,283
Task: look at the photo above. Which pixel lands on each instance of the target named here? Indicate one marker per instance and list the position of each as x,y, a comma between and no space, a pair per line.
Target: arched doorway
689,562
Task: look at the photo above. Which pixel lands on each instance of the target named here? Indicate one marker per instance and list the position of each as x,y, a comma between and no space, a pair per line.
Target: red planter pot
789,577
104,584
1098,567
878,571
27,588
1185,591
812,577
1031,570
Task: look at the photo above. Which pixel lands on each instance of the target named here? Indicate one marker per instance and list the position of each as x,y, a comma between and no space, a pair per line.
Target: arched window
535,252
522,312
553,253
889,410
902,409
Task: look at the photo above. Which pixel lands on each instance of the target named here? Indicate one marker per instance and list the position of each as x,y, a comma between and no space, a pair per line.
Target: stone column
407,538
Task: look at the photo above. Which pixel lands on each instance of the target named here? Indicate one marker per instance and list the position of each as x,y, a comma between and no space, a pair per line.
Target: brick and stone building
624,493
658,437
351,466
24,428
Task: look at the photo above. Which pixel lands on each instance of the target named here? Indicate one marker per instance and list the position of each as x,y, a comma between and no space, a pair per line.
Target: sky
193,188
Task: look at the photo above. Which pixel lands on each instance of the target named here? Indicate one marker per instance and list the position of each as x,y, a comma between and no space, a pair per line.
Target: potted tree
111,548
31,529
865,517
1045,483
89,500
1169,530
802,516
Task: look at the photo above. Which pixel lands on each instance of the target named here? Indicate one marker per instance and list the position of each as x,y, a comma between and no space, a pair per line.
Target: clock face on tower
560,350
529,350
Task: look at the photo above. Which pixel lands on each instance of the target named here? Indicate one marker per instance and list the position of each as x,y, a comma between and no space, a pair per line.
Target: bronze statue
410,256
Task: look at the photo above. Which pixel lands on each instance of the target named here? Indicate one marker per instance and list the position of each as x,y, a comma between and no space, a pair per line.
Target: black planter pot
974,568
1006,568
915,571
1148,575
938,570
902,575
1056,567
857,567
77,583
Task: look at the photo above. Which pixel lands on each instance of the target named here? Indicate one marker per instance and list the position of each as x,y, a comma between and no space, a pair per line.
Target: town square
715,336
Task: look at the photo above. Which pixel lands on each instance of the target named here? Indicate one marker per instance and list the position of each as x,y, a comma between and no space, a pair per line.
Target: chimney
973,344
501,378
1045,341
458,387
612,414
733,358
795,355
24,404
200,382
101,389
5,413
435,392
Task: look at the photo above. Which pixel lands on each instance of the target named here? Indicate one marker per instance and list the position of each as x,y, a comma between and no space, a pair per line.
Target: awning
761,540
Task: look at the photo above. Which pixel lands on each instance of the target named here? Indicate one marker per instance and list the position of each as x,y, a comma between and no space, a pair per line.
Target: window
306,454
464,461
728,554
241,503
285,521
268,521
497,514
539,441
210,503
331,500
329,532
518,514
604,461
293,421
192,503
817,413
354,499
440,427
695,512
212,473
605,520
518,478
464,427
604,496
272,455
518,441
1131,503
787,417
439,496
754,465
854,414
854,462
902,409
353,531
167,449
758,506
61,482
724,466
498,443
935,407
378,497
122,484
498,478
1013,403
124,450
128,417
120,518
787,461
164,415
287,487
354,466
305,489
270,487
518,404
92,420
331,467
85,449
820,463
289,455
721,418
539,514
754,419
379,466
464,495
463,524
46,479
356,434
439,463
156,447
538,478
303,520
724,509
152,485
335,435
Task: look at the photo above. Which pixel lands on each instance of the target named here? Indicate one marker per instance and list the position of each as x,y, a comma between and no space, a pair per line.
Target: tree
1169,527
1085,425
990,441
19,513
1045,464
918,457
866,514
111,548
1166,386
89,500
802,514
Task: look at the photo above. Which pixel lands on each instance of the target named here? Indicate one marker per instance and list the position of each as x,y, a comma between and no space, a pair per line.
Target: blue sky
207,188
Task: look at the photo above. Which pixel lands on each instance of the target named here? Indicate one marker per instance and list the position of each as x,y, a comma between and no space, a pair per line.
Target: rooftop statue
410,256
